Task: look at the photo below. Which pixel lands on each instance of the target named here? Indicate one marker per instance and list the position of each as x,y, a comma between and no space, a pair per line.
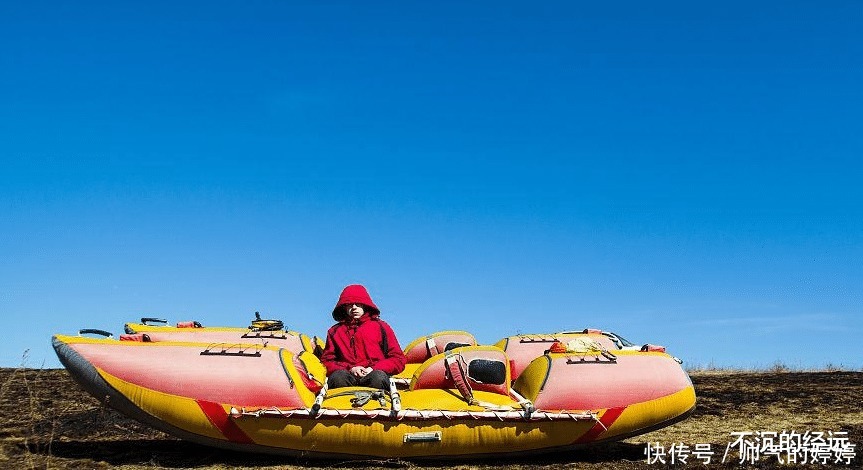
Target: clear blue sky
683,173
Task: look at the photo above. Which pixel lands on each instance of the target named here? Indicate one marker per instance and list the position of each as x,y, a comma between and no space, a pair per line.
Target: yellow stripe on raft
181,412
637,416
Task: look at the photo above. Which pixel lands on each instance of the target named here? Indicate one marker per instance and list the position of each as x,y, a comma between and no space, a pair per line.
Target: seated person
361,349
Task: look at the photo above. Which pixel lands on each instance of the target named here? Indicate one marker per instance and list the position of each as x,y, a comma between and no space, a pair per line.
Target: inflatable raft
266,393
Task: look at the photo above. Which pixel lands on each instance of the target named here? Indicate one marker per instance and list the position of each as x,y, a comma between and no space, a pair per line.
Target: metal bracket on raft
241,351
610,359
529,339
257,334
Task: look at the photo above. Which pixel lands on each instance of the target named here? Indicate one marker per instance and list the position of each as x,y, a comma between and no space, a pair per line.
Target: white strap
432,347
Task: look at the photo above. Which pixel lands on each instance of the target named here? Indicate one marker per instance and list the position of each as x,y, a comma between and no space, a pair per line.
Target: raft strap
432,347
362,397
148,320
458,373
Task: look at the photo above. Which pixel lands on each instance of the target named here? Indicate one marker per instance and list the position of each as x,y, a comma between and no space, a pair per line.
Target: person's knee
341,378
379,379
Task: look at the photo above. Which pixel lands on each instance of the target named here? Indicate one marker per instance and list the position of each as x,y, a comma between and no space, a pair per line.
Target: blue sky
683,174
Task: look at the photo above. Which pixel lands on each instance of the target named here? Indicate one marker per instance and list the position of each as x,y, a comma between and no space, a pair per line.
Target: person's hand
360,371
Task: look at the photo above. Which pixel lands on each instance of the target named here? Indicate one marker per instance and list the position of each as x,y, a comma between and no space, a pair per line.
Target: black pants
344,378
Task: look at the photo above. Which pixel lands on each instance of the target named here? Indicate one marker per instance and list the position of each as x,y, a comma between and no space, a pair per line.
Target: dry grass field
47,421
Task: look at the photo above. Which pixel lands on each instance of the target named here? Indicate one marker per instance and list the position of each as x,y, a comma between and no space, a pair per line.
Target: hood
355,294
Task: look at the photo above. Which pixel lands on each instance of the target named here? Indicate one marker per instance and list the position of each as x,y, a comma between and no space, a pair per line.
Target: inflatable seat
309,375
523,349
483,368
424,347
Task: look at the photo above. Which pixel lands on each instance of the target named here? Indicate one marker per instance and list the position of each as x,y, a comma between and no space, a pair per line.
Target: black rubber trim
95,331
547,371
285,368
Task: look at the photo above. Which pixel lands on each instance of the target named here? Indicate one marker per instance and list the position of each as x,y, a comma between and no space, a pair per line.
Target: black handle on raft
144,320
94,331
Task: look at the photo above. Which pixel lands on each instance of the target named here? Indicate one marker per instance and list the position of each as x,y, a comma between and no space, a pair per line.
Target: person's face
355,310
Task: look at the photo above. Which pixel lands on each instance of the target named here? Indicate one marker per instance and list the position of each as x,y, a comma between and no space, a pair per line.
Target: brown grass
48,422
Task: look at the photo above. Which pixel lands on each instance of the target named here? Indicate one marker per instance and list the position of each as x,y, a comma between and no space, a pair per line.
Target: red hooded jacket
367,341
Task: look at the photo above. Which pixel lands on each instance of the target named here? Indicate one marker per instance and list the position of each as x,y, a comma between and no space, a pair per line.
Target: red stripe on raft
220,419
604,423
